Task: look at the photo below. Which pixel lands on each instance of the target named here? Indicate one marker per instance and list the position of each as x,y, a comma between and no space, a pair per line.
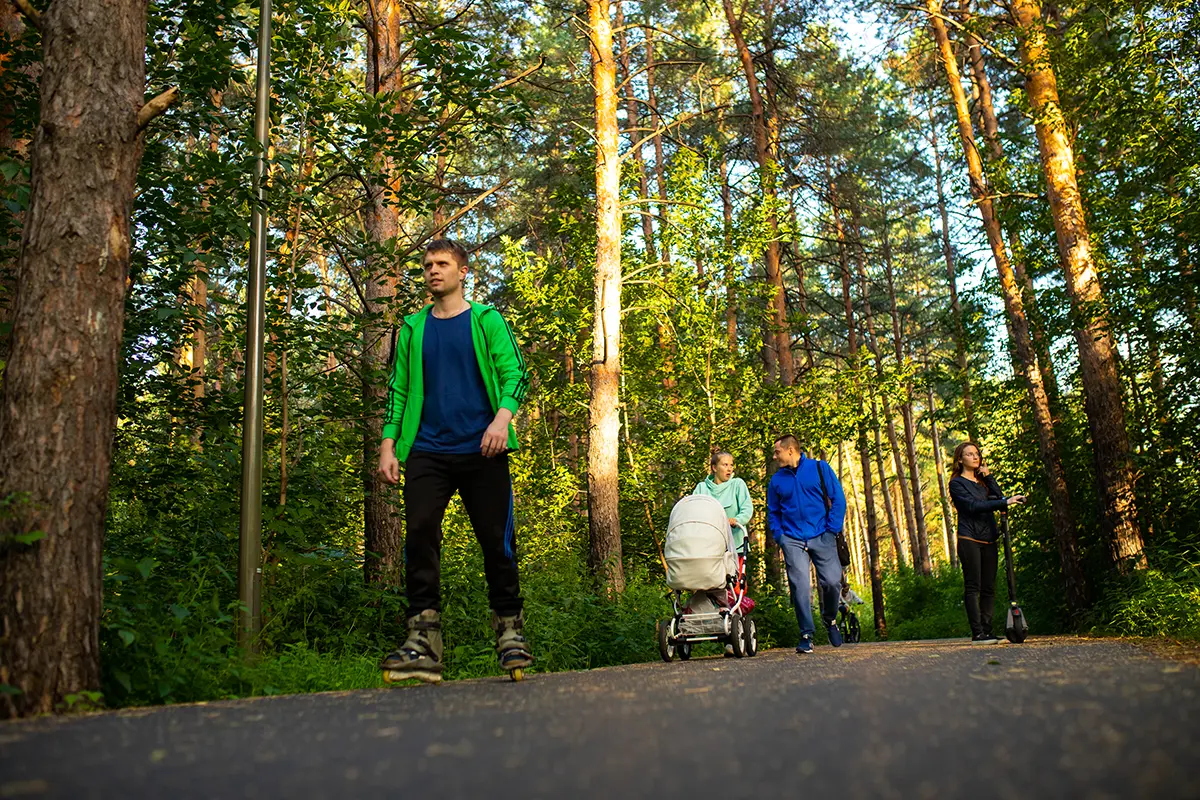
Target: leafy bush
1161,601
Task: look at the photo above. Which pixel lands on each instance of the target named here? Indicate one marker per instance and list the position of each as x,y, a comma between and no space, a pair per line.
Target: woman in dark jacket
977,497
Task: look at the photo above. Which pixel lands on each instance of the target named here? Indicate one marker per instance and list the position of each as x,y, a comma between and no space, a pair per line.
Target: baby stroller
703,559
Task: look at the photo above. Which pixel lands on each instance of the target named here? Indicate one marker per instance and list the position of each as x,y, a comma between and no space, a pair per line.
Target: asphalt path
1053,718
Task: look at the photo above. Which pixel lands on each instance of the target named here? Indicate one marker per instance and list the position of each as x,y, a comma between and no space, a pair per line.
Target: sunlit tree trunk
995,150
604,519
1064,527
1093,334
660,164
779,349
730,276
58,405
383,538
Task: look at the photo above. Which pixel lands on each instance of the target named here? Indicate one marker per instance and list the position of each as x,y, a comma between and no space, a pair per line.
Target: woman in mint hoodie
732,493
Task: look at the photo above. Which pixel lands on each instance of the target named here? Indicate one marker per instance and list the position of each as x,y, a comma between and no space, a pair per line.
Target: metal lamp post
250,534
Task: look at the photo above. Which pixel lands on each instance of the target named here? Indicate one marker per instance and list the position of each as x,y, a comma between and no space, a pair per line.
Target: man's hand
389,466
495,438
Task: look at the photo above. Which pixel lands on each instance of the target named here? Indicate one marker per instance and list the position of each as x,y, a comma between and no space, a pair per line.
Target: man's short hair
448,246
787,440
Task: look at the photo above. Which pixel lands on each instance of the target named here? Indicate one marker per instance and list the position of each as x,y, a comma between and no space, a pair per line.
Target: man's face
443,274
783,454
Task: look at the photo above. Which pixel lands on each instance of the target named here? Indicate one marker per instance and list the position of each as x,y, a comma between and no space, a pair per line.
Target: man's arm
393,412
509,363
774,512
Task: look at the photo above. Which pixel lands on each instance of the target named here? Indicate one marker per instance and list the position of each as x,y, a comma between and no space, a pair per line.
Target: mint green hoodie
732,494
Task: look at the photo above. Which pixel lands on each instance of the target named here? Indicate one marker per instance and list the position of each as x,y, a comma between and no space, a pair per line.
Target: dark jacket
977,506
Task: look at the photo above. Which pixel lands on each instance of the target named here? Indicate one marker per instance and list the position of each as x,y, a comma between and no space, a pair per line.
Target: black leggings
979,583
430,480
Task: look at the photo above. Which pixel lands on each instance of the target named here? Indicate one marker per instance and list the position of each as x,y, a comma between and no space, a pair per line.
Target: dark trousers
430,480
979,582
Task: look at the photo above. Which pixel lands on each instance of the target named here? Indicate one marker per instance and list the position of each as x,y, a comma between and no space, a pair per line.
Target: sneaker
835,636
805,647
985,638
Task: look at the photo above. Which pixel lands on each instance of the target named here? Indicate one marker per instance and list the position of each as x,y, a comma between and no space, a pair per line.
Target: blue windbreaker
795,507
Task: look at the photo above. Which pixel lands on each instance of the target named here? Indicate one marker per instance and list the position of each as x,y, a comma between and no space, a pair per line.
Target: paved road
1054,718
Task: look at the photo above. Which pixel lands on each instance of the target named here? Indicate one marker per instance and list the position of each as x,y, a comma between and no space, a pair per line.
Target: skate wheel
516,675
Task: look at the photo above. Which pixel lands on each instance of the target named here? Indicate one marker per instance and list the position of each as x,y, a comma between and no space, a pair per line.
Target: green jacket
505,375
732,494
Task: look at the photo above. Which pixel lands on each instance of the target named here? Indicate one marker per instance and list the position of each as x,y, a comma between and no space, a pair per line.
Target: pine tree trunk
873,346
730,277
906,411
659,160
632,117
1060,508
58,407
864,451
604,519
1093,334
779,349
948,532
383,532
960,331
991,136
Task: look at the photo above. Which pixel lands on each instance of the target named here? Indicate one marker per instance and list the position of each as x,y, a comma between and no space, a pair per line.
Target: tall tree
58,407
1093,333
604,426
864,454
383,531
1064,526
765,130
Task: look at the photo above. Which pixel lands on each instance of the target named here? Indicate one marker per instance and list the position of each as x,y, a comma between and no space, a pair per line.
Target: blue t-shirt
456,411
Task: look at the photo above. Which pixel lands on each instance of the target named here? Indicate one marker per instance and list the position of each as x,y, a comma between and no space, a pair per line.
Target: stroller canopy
699,549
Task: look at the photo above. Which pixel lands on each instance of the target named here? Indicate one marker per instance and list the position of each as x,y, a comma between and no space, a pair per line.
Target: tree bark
383,531
730,277
604,518
1060,507
906,409
646,210
873,345
991,136
58,407
949,536
960,331
779,349
1093,334
864,453
660,180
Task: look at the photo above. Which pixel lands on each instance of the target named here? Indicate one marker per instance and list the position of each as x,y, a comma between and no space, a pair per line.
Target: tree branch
156,107
663,129
29,12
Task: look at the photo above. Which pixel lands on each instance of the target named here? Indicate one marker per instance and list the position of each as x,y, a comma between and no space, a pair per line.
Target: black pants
485,487
979,582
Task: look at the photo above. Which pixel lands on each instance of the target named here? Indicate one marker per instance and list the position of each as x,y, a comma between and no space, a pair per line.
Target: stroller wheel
685,650
666,632
750,636
737,635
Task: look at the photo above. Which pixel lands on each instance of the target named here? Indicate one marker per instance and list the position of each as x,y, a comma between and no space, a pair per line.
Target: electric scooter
1016,627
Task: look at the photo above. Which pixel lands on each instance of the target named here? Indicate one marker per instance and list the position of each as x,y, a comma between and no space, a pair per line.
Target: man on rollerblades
457,381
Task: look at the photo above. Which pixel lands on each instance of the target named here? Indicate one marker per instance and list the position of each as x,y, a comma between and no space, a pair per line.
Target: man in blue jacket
805,519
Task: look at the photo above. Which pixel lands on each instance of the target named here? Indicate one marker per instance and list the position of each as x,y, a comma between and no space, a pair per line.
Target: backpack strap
824,491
